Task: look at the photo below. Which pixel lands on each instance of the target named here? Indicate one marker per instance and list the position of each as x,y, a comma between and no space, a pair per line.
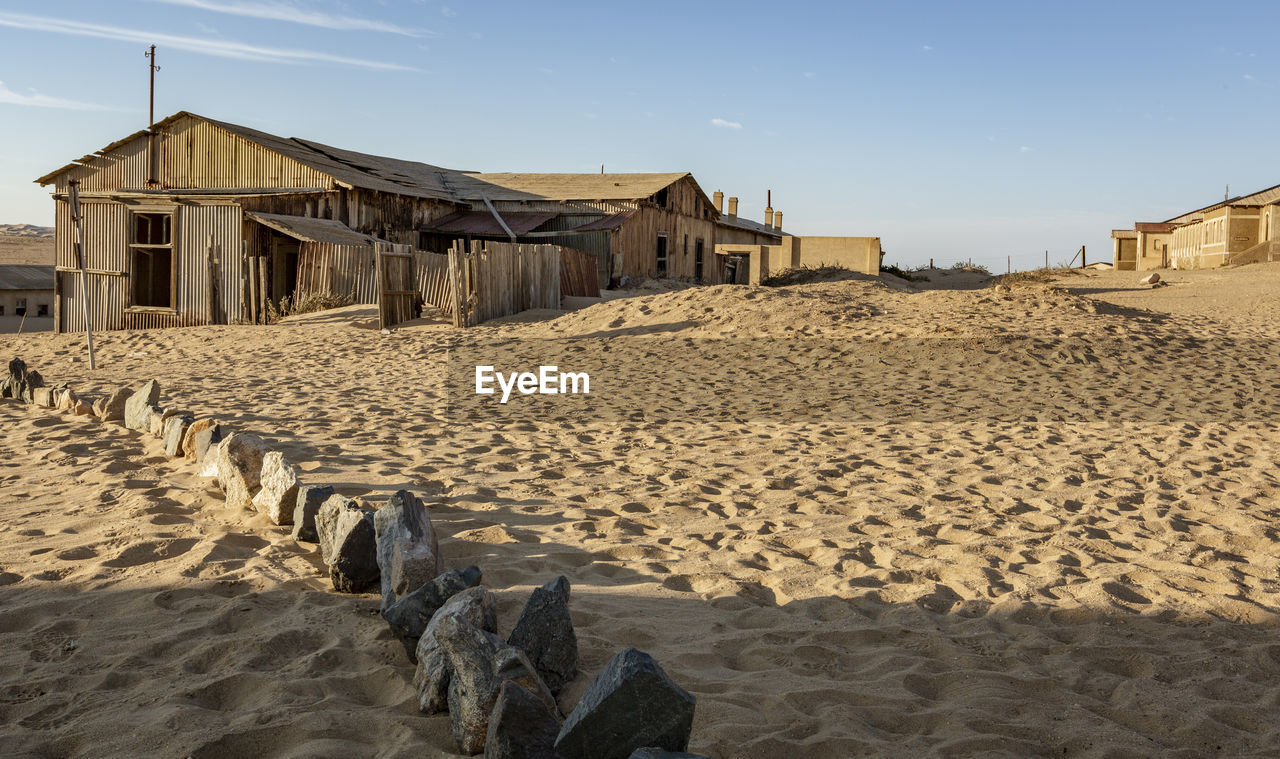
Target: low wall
860,254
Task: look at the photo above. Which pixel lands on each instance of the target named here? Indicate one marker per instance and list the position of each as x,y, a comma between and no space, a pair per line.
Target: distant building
1243,229
178,215
26,289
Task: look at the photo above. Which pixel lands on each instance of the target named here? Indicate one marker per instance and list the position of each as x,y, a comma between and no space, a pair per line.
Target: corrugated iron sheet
312,230
26,277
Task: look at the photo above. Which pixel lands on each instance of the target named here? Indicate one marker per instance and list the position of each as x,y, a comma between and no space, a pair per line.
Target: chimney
733,208
768,209
777,220
718,199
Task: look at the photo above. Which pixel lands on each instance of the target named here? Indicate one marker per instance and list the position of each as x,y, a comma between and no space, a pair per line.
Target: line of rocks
500,695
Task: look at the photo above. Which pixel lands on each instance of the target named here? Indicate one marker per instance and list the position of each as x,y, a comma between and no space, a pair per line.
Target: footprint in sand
151,551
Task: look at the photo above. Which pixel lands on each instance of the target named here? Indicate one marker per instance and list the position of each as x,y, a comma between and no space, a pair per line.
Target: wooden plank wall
397,291
431,273
578,275
492,279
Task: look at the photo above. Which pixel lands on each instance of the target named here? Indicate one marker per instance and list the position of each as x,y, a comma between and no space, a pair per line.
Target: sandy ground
17,249
853,518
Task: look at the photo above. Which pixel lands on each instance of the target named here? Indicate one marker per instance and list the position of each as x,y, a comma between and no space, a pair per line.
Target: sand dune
852,519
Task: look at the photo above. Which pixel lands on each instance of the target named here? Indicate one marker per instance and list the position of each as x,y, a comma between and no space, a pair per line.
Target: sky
981,131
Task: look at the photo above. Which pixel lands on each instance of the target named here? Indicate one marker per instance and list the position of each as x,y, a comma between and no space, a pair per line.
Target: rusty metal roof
312,230
739,222
26,277
483,223
608,223
1153,226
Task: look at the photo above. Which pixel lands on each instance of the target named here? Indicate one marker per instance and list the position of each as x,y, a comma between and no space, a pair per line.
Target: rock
545,632
521,726
631,704
6,387
189,439
175,428
239,468
480,662
408,551
42,396
431,680
279,494
347,543
205,441
137,409
33,383
82,409
650,752
1150,279
306,506
411,613
67,400
112,408
16,380
155,421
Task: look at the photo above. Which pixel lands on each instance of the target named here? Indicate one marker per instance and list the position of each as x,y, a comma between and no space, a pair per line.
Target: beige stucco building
860,254
1242,229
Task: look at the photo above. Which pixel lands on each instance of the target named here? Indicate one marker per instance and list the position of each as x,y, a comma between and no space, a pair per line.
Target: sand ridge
1069,584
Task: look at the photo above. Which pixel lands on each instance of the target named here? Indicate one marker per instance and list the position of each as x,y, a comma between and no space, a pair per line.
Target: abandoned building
177,216
26,290
1243,229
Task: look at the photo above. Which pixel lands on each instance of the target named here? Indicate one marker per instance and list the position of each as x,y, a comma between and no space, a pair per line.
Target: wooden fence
578,275
482,280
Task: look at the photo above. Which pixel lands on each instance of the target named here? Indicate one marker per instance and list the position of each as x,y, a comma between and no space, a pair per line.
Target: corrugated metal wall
125,166
196,225
198,154
106,259
339,270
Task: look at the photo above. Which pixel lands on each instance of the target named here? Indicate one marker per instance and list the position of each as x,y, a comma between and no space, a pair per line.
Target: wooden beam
501,223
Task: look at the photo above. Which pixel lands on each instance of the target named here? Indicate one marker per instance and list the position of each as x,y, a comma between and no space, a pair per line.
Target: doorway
662,255
284,267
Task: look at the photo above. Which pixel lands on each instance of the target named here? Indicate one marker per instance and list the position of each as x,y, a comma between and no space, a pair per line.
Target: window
662,255
151,256
42,309
1,310
697,260
20,308
660,197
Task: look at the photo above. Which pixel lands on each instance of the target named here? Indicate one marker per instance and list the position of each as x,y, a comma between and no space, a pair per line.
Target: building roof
1260,198
518,187
309,229
1154,227
606,224
483,223
739,222
413,178
26,277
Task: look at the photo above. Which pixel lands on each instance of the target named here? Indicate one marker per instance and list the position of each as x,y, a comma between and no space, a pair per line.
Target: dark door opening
697,260
662,255
284,268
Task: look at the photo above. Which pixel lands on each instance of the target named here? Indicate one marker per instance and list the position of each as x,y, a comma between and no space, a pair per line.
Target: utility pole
151,65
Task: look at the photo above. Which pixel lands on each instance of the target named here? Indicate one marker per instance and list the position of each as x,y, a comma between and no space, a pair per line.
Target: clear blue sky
950,130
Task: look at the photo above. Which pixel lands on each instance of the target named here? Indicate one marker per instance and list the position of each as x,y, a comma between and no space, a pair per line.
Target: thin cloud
927,48
809,75
36,100
448,12
1024,149
723,124
280,11
219,48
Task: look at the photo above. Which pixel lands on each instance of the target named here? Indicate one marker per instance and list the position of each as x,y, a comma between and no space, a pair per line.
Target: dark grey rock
410,615
32,381
545,632
650,752
631,704
348,545
521,726
137,409
408,551
175,429
16,379
481,661
431,680
310,499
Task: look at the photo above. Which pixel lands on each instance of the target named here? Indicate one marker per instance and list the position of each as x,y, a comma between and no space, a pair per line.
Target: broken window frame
158,242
